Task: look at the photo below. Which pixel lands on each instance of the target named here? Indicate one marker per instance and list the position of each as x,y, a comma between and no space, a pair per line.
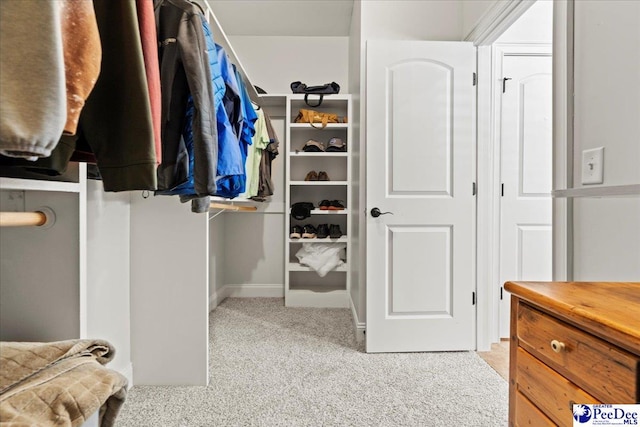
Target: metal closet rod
22,219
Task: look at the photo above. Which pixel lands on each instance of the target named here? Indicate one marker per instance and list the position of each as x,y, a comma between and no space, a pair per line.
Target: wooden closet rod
227,207
22,219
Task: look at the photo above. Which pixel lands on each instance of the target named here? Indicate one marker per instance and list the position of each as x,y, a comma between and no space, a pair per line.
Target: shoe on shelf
324,205
311,176
322,176
335,205
295,232
309,232
323,231
334,231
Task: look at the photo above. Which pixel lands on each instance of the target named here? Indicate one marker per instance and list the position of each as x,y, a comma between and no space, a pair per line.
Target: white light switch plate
593,166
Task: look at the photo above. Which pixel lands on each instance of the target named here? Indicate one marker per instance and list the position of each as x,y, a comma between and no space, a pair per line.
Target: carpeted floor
277,366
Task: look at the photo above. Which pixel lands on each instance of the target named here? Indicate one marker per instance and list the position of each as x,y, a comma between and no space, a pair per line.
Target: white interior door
526,172
420,166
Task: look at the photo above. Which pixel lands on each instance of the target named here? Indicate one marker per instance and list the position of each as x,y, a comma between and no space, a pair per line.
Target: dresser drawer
548,390
601,369
528,415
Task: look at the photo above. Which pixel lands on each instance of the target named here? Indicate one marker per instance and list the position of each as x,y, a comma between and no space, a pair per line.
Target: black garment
184,70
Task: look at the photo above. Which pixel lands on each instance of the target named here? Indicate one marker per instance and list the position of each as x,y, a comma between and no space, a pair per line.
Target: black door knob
375,212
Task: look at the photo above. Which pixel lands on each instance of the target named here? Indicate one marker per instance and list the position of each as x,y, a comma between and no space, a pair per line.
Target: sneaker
295,232
323,231
335,205
312,176
334,231
324,205
309,232
322,176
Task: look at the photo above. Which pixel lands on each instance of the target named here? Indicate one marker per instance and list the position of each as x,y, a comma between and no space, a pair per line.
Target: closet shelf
318,126
38,185
317,296
343,239
319,212
313,154
318,183
294,266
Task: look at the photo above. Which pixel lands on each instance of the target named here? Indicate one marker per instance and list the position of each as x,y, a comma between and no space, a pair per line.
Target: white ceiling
284,17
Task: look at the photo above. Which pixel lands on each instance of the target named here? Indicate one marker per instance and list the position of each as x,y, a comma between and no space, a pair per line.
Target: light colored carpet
277,366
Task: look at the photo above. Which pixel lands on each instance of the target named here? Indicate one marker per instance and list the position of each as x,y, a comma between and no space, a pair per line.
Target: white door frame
494,22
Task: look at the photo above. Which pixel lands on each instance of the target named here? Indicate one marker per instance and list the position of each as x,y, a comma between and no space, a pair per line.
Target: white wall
607,113
607,95
472,11
274,62
412,20
108,269
216,260
534,26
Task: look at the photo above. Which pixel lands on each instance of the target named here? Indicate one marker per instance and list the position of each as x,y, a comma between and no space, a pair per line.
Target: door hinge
501,288
502,190
473,298
473,189
475,79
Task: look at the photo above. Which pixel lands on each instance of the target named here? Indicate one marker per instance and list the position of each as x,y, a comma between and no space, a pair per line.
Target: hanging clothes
184,71
46,72
254,155
265,182
231,178
116,121
124,152
149,40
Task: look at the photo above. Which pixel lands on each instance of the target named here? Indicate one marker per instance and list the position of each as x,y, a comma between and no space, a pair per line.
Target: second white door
526,171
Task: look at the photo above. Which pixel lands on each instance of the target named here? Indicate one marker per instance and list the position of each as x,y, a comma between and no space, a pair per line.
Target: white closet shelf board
319,212
38,185
318,126
294,266
343,239
313,154
327,100
70,182
318,296
221,38
319,183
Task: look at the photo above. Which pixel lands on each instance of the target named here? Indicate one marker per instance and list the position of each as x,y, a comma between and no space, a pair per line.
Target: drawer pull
557,346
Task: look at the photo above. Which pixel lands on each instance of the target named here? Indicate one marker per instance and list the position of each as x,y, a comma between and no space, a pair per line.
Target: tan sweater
82,56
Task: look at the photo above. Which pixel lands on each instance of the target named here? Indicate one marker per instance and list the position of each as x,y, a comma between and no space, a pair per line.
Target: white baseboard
245,291
358,327
127,372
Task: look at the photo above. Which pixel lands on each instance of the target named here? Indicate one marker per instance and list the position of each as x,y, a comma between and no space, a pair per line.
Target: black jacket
184,70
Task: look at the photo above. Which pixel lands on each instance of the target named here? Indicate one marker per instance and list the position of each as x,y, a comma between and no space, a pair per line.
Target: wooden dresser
571,342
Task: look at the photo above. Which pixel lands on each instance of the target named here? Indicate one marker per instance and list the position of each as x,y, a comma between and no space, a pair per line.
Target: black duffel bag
326,89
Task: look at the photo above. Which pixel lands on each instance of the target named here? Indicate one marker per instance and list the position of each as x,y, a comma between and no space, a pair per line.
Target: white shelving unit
303,286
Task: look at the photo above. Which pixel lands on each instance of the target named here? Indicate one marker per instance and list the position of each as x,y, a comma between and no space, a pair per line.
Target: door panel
415,294
424,168
420,166
526,171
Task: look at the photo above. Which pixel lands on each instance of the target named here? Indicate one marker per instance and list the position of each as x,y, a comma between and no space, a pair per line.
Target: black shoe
324,205
323,231
309,232
335,205
295,232
334,231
